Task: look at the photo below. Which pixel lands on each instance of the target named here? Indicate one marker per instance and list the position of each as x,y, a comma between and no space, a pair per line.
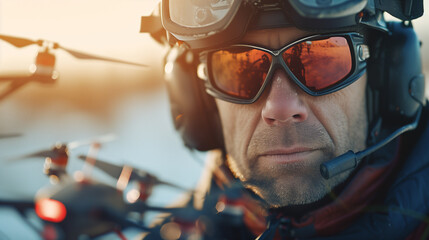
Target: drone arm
15,85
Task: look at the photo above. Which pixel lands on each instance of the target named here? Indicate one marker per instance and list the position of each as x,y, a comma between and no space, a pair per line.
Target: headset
395,74
193,111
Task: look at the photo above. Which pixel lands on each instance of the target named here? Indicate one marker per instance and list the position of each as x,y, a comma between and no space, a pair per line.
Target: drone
43,69
77,205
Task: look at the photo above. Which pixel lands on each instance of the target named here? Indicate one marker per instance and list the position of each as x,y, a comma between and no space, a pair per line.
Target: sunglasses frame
358,50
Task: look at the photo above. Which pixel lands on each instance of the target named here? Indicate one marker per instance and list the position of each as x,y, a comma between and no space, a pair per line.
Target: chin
295,190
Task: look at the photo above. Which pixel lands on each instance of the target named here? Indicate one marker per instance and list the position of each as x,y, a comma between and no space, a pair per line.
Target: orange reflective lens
241,71
319,64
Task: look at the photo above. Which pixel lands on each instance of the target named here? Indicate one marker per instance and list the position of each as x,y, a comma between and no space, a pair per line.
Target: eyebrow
274,42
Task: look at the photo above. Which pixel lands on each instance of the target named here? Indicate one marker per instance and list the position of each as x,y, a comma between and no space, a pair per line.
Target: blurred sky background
92,98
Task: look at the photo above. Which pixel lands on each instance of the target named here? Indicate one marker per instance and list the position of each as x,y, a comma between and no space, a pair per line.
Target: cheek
344,116
358,120
238,125
356,110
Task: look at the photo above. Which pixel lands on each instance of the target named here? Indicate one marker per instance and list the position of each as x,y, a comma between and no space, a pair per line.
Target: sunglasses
319,65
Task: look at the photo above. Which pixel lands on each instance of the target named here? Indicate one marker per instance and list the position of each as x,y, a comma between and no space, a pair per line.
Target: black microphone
350,159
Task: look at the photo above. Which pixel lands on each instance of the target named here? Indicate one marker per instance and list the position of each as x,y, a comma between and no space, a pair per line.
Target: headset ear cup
194,112
395,74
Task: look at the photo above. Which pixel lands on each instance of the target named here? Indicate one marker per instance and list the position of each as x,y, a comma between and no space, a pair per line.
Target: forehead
274,38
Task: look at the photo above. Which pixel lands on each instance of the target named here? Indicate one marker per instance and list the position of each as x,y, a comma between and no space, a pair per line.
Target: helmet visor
199,13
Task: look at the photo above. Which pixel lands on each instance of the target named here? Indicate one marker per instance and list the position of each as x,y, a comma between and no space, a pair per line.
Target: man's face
276,145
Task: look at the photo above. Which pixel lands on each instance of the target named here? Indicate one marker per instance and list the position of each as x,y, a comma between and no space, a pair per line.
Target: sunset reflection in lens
240,71
319,64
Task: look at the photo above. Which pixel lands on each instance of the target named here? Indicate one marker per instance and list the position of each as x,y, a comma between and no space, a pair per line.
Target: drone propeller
14,78
18,82
63,148
82,55
136,174
10,135
23,42
44,154
20,42
100,139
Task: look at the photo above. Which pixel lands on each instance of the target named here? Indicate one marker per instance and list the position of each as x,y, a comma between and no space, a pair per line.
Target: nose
283,103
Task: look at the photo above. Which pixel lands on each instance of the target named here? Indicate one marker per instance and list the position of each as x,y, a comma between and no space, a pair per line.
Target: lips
288,155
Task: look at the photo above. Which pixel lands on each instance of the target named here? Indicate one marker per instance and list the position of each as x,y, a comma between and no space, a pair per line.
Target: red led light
50,210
